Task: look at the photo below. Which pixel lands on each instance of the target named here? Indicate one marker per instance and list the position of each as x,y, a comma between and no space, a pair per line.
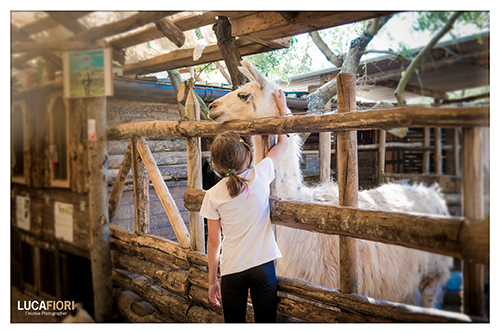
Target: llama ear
249,71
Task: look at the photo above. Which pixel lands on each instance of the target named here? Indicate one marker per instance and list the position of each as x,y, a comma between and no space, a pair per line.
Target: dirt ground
19,316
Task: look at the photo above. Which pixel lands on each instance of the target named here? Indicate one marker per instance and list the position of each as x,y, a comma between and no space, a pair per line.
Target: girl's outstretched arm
276,153
213,251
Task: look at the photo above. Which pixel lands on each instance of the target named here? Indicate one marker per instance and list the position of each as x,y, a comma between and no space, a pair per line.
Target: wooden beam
184,58
68,21
48,22
184,23
407,116
56,46
171,31
116,193
272,25
141,190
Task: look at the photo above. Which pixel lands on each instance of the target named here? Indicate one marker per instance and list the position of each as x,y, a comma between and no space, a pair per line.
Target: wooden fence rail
409,116
453,236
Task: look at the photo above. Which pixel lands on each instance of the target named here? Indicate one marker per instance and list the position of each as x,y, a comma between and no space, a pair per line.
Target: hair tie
231,171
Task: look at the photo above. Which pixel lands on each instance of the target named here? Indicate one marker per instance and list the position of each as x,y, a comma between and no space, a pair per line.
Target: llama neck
289,177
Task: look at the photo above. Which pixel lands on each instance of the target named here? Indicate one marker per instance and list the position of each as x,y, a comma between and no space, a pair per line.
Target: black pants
261,280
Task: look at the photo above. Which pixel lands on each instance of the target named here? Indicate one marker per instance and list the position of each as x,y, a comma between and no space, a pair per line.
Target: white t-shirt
248,237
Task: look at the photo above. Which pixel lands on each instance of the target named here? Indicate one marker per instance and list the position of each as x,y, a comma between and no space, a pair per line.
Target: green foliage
434,21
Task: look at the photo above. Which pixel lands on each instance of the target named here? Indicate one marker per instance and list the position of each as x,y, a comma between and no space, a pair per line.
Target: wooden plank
56,46
271,25
408,116
167,201
67,20
473,208
48,22
347,176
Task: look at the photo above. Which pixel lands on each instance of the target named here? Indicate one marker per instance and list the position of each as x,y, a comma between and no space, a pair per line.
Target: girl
239,204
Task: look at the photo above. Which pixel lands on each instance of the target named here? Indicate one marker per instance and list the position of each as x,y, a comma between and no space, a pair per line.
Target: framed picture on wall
88,73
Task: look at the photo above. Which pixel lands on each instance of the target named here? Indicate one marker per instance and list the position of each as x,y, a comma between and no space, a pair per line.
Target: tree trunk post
100,255
473,209
229,49
141,191
194,175
347,172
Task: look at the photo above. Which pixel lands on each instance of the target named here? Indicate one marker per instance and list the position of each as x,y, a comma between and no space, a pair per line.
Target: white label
23,212
63,216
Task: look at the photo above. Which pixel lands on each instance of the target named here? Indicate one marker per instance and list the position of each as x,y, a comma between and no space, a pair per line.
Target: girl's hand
214,293
280,99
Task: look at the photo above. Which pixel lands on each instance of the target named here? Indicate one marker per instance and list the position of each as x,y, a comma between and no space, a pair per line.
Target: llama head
251,101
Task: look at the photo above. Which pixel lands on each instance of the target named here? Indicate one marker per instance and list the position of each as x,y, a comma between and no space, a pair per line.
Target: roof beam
184,58
48,22
68,21
272,25
185,23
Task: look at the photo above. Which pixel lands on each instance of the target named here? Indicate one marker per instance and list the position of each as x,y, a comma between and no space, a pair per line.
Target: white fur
387,272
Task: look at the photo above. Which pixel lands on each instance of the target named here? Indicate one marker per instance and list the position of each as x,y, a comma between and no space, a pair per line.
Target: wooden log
98,213
166,199
194,175
116,193
473,208
230,51
325,156
78,145
442,235
368,306
171,305
174,281
141,191
56,46
171,31
135,313
456,152
150,241
152,255
347,176
408,116
426,158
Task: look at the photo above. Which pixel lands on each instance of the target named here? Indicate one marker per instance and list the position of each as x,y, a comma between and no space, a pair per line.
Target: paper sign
23,212
63,216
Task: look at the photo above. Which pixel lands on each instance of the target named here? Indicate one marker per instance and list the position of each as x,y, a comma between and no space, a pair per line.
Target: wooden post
100,256
194,175
473,209
166,199
426,157
325,152
381,156
347,172
438,152
456,151
141,191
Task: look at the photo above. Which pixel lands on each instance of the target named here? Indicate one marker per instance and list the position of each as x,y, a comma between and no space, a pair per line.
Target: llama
386,272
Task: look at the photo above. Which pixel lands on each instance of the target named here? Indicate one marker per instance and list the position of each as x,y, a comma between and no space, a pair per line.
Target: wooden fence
176,273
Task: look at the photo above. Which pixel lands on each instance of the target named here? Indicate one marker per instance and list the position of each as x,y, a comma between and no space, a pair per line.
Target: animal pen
172,276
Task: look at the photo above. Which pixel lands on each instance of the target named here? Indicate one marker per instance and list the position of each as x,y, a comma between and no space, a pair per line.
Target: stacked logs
174,280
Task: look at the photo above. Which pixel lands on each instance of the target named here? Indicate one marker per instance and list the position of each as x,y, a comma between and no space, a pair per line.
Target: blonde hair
231,155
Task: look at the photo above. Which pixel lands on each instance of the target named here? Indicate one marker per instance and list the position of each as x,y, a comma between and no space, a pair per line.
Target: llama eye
243,96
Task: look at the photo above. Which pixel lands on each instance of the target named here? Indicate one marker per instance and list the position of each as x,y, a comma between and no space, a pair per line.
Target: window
19,142
59,147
